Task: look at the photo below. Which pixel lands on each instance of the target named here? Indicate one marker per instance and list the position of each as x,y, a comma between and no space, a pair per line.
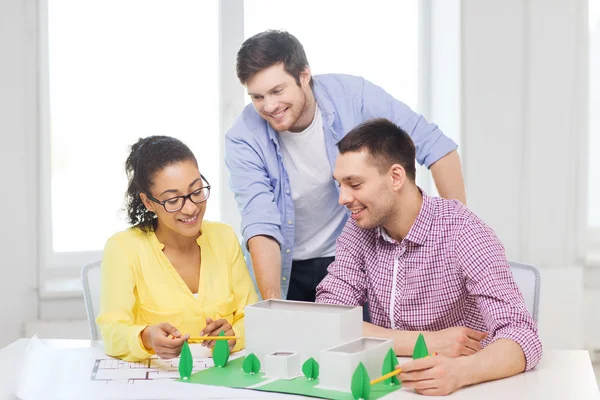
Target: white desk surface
566,374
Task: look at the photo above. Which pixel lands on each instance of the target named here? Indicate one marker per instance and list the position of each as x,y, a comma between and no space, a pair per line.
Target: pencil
393,373
201,338
386,376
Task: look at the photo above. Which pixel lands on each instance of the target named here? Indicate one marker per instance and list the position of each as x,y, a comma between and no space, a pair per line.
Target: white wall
524,129
522,117
18,167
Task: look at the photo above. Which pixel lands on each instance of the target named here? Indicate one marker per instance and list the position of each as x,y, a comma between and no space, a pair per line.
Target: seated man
425,265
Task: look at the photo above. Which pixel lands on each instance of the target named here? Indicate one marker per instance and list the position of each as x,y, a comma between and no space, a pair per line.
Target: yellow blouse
140,287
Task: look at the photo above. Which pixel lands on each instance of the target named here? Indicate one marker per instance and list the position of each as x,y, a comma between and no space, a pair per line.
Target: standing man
281,153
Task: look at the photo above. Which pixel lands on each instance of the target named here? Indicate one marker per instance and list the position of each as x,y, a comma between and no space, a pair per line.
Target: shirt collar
272,133
323,101
420,229
156,243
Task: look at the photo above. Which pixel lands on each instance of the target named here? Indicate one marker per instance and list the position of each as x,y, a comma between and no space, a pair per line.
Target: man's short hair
269,48
386,143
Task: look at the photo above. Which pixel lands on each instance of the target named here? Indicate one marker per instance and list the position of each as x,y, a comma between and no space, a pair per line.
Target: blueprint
112,370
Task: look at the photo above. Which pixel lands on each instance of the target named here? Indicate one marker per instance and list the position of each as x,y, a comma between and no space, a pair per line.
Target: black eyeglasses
175,204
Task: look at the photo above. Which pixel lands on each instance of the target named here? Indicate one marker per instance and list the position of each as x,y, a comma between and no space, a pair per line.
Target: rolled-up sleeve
430,141
482,259
249,182
346,280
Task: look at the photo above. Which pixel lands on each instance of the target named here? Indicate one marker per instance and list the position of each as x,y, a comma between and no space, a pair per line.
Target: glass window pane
118,71
377,40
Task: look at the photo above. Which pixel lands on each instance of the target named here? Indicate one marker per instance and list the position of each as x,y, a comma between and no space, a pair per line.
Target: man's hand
434,376
213,328
454,342
156,337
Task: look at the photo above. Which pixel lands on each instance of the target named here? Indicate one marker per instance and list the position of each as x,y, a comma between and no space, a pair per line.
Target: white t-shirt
315,196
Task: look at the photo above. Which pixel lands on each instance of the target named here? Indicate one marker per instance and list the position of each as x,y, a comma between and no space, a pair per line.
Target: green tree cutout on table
361,384
389,364
221,352
420,350
310,369
186,363
251,364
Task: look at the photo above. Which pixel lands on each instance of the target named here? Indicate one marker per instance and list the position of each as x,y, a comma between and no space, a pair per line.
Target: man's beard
303,110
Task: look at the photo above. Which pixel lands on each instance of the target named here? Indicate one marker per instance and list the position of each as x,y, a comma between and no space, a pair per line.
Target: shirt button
287,251
284,279
289,221
287,191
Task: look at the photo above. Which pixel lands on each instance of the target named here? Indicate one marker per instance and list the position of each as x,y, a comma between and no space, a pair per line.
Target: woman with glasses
171,275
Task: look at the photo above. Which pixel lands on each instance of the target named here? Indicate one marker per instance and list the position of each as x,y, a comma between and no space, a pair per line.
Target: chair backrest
527,278
90,278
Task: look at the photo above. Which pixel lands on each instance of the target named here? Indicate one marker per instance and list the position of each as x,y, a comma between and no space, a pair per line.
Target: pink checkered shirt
450,270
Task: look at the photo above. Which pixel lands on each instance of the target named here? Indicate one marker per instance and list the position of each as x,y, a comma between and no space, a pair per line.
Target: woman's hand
156,337
213,328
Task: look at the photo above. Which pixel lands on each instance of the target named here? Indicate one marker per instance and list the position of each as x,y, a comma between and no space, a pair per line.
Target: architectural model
310,349
298,331
299,327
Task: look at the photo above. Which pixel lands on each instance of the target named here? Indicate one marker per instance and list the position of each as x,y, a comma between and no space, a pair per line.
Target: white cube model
299,327
282,365
339,363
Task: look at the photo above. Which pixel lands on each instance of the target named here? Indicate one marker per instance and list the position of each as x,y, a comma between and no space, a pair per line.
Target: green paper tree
310,369
186,363
251,364
361,384
389,364
221,352
420,350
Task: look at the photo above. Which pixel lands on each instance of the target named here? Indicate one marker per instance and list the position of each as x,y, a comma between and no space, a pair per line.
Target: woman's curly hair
147,157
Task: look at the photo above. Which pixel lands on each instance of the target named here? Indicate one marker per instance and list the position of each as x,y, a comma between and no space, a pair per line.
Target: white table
560,375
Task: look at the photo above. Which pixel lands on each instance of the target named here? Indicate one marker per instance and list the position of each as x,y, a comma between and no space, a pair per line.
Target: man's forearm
403,340
266,262
500,359
448,177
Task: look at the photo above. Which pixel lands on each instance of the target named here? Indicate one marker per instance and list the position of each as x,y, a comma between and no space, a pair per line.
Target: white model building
284,334
282,365
339,363
299,327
